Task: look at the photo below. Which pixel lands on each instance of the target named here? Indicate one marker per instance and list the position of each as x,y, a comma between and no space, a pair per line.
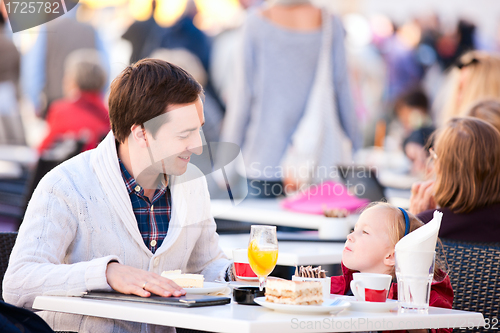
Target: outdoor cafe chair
7,240
475,278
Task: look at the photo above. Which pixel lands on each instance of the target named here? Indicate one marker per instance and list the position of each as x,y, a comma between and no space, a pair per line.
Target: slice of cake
309,272
184,280
294,292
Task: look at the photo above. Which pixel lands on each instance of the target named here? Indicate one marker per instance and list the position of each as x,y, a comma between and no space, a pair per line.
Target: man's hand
131,280
422,197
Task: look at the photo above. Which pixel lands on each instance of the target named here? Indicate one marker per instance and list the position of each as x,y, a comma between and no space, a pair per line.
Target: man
117,216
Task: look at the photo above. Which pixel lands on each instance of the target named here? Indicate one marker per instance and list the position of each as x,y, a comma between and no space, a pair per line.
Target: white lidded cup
334,228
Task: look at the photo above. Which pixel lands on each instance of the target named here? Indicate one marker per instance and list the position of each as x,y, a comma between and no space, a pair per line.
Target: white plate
208,287
304,309
371,306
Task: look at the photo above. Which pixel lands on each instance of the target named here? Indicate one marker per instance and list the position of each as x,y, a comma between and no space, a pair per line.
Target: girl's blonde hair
397,229
483,82
398,225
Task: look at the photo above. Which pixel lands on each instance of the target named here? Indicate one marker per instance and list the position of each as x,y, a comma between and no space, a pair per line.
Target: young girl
370,249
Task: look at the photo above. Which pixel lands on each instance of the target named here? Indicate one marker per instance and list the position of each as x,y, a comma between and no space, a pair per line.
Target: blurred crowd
305,92
268,74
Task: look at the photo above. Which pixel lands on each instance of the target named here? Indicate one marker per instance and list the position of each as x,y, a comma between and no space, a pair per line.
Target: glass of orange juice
262,251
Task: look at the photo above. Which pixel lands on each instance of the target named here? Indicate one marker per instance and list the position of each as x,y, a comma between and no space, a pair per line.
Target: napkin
424,238
328,195
414,258
223,292
411,255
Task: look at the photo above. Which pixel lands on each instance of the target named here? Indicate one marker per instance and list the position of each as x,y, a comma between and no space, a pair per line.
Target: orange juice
262,261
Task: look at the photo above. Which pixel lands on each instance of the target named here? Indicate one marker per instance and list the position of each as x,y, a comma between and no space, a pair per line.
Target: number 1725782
32,7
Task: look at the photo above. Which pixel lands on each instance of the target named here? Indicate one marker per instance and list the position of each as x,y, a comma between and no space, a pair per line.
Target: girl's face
368,248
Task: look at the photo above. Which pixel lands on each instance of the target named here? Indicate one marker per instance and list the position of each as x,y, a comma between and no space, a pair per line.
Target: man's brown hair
467,165
144,90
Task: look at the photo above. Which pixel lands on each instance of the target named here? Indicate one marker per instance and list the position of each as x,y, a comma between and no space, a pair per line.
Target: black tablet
187,301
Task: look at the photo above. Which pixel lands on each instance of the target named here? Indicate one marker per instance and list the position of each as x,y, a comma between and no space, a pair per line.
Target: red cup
373,295
370,287
242,268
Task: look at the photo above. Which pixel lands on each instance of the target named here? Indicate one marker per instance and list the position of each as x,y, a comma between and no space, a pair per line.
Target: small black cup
246,295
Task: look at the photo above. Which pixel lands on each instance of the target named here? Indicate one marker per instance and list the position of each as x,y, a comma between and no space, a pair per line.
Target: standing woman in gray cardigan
278,60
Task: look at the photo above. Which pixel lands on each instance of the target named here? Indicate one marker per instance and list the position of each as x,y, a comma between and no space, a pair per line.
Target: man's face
177,139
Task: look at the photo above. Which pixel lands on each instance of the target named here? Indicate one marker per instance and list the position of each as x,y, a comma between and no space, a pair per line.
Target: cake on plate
294,292
184,280
309,272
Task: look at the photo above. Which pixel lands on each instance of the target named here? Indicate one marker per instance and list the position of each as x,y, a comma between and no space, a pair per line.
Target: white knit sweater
80,217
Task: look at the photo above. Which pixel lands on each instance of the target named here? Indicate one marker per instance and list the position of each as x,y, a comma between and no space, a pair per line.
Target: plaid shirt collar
153,216
131,184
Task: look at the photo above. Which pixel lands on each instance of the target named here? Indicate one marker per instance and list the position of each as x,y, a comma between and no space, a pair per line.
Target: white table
290,253
10,170
249,319
20,154
265,211
269,211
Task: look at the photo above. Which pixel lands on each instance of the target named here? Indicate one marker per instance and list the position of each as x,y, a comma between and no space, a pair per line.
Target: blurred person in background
185,35
10,57
476,76
404,70
42,67
81,115
487,110
367,71
414,149
412,111
224,53
274,78
182,34
430,26
137,34
452,45
466,187
11,129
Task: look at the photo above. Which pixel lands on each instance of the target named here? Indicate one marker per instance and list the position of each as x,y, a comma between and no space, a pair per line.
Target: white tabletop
10,169
264,211
290,253
249,319
21,154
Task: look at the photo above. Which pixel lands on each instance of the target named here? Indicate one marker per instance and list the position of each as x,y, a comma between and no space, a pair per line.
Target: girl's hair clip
407,221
